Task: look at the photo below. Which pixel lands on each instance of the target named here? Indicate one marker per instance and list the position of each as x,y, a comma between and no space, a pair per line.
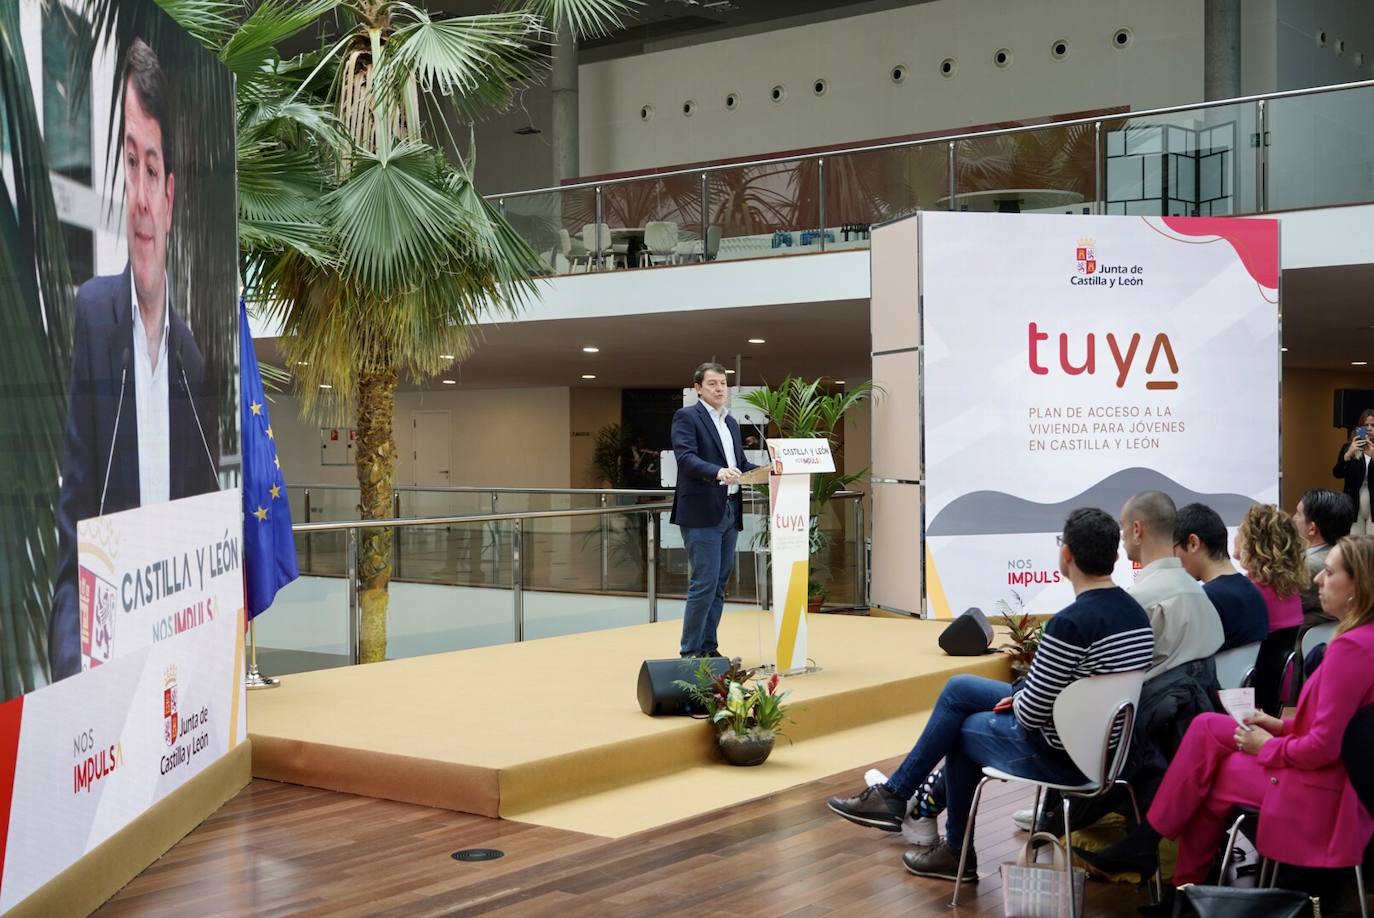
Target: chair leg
1156,881
1359,888
1035,811
1229,849
968,838
1074,905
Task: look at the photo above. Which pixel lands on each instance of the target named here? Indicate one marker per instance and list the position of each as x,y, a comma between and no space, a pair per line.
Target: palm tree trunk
376,466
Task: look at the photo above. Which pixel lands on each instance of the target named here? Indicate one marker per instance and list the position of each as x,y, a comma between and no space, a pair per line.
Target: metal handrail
408,522
472,489
943,138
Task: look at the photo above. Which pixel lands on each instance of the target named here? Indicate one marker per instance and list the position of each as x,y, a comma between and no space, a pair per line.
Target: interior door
432,448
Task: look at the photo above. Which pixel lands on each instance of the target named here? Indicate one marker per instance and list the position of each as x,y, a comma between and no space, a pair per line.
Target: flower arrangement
737,702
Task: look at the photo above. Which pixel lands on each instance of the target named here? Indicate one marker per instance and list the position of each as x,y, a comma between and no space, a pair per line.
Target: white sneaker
920,830
1023,819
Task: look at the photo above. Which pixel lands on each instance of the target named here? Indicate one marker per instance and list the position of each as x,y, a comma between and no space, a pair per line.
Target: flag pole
255,679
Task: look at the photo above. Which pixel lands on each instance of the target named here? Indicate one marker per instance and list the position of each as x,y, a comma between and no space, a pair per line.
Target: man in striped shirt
979,721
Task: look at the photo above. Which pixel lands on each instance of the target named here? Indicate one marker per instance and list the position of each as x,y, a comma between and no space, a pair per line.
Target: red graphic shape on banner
11,712
1255,241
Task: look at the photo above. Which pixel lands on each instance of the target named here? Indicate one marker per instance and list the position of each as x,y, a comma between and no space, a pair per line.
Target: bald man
1185,623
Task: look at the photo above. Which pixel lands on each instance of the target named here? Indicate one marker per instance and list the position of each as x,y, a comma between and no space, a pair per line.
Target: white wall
1162,66
1303,61
500,437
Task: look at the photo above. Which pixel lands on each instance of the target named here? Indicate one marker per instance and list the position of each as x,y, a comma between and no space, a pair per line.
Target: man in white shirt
134,434
1185,623
707,505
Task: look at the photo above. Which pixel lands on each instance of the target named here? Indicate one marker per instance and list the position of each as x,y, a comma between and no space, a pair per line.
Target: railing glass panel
1321,149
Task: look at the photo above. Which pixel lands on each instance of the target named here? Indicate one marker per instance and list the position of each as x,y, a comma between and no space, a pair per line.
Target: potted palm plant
747,713
801,409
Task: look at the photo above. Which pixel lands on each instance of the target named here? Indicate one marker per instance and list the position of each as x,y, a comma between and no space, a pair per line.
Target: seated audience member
1353,460
979,721
1291,770
1200,544
1272,554
1323,518
1185,623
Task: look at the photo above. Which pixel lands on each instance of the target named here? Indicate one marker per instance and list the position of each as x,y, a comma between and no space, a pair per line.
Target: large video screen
120,569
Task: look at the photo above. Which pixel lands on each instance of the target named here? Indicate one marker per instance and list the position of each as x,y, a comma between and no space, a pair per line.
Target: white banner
165,700
789,532
1074,361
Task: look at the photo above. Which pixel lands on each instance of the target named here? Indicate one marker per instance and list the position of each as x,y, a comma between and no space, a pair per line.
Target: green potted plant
798,409
747,712
1024,632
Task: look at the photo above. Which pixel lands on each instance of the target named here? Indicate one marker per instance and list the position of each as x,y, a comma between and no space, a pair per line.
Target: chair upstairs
660,242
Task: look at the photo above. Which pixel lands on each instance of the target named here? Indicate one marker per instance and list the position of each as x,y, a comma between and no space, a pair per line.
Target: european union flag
269,551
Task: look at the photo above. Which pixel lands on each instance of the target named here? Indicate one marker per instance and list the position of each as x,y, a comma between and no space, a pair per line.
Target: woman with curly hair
1272,553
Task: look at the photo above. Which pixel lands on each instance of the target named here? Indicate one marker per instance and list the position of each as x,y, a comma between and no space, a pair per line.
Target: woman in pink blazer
1292,770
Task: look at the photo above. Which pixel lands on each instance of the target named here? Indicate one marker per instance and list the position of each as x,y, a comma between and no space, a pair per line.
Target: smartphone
1361,433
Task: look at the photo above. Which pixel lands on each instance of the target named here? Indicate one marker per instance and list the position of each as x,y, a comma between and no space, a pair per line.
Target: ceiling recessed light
446,356
1284,350
591,350
450,382
325,385
1359,363
302,363
589,376
757,341
729,372
839,382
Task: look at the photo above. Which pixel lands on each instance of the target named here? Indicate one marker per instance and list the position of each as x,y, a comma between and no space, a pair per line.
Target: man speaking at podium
707,506
134,435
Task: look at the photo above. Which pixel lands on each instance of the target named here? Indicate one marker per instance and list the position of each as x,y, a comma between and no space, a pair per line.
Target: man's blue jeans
710,561
964,732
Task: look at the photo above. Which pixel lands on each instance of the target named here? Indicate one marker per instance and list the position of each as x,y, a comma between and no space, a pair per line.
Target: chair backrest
712,241
1317,634
1357,752
1234,664
1086,714
660,236
590,234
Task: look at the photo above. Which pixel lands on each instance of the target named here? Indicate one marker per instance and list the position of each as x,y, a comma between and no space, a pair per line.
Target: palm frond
475,60
210,22
255,42
586,18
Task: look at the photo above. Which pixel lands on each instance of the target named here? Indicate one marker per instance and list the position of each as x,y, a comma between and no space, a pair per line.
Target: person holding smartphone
1352,466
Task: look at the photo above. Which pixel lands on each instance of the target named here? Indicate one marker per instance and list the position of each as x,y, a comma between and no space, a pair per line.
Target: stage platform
549,731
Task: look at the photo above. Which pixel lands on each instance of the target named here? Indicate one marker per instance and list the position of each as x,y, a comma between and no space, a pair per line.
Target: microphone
186,385
114,434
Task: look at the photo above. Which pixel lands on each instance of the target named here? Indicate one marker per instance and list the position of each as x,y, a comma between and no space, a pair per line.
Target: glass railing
469,579
1282,151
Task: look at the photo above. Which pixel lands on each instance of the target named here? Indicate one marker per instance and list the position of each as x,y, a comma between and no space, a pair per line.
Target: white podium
792,462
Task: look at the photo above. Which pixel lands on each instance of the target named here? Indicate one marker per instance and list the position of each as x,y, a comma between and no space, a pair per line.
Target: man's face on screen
148,194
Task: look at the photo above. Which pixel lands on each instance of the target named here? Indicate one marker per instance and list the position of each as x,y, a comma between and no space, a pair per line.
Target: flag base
256,680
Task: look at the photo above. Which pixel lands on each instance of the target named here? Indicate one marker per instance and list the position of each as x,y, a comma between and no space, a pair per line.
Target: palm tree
362,232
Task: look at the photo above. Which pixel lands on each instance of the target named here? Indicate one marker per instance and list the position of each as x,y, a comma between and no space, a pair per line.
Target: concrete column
1221,50
565,114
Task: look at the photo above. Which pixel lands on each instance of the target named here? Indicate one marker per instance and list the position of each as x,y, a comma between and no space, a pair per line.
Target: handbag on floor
1242,902
1031,890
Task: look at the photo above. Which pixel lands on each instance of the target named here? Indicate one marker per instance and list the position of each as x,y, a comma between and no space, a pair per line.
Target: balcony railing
1281,151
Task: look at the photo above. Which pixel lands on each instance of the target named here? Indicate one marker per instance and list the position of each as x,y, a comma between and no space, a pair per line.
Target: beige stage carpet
550,732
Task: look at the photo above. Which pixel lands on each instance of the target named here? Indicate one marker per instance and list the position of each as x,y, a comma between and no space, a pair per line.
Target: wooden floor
279,849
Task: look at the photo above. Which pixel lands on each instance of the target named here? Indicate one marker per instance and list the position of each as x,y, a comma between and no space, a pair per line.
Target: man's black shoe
875,807
1126,856
713,653
940,862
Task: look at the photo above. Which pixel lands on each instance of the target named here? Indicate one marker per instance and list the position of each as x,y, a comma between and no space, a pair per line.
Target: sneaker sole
938,875
865,821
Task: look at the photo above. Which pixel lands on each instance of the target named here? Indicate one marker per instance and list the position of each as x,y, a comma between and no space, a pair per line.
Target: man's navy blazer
102,340
699,500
